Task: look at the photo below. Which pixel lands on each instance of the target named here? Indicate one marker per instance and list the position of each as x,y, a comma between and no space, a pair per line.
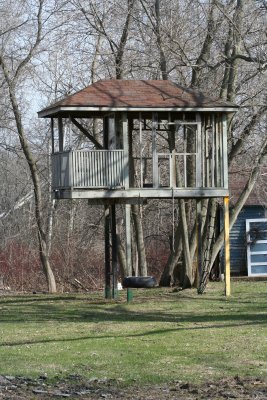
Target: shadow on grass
214,311
126,336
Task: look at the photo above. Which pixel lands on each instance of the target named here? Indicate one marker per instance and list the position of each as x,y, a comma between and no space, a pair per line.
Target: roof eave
64,109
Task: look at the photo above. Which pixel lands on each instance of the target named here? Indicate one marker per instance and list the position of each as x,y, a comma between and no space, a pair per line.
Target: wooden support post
199,243
141,149
60,135
107,253
172,162
128,239
213,152
114,253
224,150
52,136
112,138
125,138
155,166
227,246
199,167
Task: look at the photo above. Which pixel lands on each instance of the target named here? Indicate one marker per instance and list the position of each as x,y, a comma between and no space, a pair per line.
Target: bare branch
36,43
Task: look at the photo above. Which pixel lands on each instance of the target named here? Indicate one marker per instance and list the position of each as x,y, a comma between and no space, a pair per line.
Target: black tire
139,282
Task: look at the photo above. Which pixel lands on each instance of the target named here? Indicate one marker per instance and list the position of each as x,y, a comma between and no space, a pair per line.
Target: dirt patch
75,387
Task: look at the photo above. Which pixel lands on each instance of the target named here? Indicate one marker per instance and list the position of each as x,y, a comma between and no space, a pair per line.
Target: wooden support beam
227,246
110,201
135,193
87,134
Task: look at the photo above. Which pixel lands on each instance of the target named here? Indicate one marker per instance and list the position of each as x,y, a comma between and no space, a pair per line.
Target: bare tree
12,72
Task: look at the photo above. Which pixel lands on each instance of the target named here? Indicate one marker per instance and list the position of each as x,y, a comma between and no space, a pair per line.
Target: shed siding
238,241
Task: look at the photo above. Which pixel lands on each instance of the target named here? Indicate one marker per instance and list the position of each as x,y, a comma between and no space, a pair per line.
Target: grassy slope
159,337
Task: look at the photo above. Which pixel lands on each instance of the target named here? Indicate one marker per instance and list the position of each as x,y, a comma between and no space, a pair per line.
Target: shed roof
134,95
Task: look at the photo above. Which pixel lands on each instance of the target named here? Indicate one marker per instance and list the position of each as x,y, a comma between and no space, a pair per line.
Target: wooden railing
88,169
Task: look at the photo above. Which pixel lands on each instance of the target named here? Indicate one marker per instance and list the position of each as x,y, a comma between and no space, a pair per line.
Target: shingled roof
135,95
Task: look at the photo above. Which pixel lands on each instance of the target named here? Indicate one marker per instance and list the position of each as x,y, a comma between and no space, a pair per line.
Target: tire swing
139,282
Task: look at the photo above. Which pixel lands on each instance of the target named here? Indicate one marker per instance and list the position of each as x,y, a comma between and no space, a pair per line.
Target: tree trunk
237,42
139,240
43,248
44,256
188,276
123,40
121,250
157,28
206,47
167,277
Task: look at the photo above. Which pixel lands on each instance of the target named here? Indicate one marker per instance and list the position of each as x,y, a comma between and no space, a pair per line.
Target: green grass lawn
161,336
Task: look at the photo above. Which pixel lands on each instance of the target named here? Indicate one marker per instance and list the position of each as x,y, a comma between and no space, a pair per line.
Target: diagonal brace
87,134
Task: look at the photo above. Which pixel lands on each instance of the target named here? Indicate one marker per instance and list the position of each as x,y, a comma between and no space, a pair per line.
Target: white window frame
251,253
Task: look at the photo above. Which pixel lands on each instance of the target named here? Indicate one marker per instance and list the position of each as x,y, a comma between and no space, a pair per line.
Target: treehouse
144,140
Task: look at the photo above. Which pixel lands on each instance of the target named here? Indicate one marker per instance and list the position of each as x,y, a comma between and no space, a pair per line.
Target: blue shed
238,240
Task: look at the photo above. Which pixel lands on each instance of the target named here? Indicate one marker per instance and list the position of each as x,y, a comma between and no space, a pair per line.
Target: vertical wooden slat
93,174
204,147
221,152
108,168
217,152
78,163
92,180
75,169
85,155
213,152
207,163
78,159
88,169
185,171
112,169
99,168
70,184
199,167
79,168
103,177
224,152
